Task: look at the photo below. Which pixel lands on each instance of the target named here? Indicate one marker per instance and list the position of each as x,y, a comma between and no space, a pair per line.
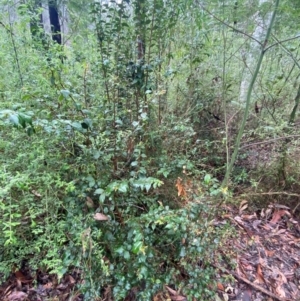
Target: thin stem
228,25
268,141
283,41
16,53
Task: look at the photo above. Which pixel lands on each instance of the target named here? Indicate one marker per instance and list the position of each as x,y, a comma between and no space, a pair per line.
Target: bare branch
283,41
228,25
268,141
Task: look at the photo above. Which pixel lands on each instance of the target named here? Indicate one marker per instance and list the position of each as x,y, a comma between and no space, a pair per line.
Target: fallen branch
269,141
257,287
274,193
271,193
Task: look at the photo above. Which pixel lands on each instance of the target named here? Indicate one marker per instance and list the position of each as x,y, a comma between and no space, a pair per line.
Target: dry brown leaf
108,294
171,291
259,275
22,278
174,295
71,279
248,217
281,231
89,202
178,298
243,206
158,297
180,187
100,217
35,193
17,296
269,253
266,227
280,291
246,265
48,285
62,286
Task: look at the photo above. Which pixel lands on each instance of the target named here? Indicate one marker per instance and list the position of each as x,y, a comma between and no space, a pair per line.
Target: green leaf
137,247
30,131
207,179
144,116
123,186
99,191
126,255
120,250
76,125
102,198
182,252
65,93
14,119
22,121
134,163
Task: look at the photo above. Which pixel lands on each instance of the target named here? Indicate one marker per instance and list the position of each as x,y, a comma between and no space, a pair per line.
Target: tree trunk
259,34
54,21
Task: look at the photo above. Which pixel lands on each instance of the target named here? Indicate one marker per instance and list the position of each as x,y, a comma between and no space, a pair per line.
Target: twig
7,29
276,193
273,193
256,286
268,141
228,25
283,41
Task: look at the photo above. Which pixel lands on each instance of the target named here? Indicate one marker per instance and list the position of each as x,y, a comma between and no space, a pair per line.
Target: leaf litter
263,258
267,255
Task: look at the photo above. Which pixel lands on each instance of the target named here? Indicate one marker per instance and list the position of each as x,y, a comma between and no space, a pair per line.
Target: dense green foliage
95,134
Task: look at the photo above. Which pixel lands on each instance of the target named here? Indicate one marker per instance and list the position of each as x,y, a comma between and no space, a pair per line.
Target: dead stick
272,193
257,287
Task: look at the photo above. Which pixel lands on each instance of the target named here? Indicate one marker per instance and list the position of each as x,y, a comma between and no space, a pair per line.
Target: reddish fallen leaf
280,280
171,291
22,278
248,217
220,286
277,215
267,227
180,187
48,285
259,275
174,295
269,253
280,291
281,231
71,279
246,265
255,224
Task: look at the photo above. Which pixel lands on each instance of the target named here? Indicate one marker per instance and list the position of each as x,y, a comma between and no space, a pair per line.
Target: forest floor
260,262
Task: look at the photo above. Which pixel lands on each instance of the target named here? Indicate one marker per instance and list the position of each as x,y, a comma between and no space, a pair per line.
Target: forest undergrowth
150,151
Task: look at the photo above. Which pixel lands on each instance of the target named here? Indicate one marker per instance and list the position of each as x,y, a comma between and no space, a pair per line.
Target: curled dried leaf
243,206
89,202
100,217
